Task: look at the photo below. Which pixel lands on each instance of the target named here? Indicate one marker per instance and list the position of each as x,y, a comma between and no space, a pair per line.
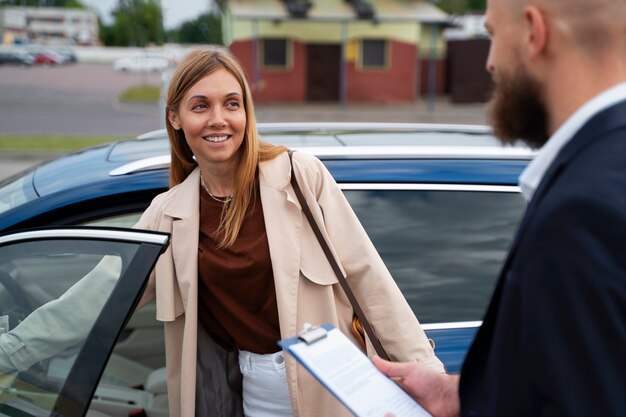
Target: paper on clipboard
350,375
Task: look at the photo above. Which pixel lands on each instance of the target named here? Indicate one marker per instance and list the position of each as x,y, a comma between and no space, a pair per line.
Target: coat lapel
184,210
283,225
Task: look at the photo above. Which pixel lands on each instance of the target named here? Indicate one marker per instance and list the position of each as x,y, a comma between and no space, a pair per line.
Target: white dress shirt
534,172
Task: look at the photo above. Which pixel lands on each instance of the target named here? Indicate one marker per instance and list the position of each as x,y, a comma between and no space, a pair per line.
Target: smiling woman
213,118
244,270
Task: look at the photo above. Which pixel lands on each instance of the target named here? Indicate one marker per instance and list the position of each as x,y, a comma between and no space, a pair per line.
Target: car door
444,245
65,295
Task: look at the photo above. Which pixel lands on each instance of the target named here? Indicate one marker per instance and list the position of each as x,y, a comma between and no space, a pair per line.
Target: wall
274,85
396,83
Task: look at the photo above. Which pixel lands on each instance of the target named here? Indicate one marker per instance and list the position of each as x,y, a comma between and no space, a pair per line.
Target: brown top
237,301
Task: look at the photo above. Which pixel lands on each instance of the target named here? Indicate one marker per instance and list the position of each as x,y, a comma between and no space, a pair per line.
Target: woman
244,268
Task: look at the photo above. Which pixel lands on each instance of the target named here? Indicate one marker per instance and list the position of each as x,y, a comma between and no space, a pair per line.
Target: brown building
334,50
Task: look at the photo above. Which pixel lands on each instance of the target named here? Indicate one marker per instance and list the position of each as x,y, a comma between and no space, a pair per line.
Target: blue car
440,203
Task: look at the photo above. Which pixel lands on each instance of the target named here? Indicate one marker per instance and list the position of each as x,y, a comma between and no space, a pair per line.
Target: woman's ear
172,116
536,31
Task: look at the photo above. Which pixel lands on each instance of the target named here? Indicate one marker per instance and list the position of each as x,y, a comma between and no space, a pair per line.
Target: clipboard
349,374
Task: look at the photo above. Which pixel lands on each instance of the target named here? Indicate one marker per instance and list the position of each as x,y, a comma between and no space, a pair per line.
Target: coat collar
184,199
275,173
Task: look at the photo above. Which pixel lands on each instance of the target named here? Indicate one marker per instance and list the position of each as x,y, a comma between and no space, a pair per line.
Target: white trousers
265,390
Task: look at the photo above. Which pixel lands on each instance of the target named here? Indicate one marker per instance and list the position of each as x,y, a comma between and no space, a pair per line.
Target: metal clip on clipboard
311,334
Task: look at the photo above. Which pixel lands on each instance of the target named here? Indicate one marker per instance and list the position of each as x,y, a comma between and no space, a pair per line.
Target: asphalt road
76,99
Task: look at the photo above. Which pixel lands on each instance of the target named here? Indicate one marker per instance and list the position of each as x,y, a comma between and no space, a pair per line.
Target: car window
63,299
443,248
16,191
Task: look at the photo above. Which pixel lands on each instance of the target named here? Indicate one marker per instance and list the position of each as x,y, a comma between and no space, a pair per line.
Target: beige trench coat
307,290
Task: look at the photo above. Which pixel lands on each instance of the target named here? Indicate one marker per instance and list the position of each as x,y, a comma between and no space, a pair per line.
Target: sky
174,11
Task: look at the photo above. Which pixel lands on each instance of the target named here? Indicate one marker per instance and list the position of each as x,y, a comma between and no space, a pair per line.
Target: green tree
206,28
135,23
461,6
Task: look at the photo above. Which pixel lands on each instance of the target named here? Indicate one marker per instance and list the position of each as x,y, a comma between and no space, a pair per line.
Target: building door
323,72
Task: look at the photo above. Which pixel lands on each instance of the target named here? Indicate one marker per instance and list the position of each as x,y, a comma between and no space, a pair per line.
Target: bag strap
333,263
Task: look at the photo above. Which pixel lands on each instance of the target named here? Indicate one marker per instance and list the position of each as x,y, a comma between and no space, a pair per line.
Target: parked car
12,56
440,203
141,63
45,56
68,54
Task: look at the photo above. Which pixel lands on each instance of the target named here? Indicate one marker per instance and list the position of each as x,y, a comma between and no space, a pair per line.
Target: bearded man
553,340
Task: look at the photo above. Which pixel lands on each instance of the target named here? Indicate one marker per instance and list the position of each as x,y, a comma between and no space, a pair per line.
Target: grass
51,142
141,93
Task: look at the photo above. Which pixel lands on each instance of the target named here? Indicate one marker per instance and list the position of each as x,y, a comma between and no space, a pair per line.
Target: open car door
65,295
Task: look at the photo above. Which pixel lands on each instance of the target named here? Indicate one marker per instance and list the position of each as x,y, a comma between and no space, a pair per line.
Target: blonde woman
244,268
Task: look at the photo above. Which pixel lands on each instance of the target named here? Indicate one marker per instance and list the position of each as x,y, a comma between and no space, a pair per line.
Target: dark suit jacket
553,341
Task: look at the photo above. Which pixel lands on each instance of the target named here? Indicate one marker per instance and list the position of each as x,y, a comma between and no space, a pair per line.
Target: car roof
349,140
328,141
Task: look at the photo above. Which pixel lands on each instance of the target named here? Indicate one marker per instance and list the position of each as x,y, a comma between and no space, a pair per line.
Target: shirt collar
534,172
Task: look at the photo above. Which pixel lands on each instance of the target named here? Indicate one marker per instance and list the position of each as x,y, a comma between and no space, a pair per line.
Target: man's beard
517,111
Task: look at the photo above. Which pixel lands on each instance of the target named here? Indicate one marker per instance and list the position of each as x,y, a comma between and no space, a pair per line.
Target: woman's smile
217,138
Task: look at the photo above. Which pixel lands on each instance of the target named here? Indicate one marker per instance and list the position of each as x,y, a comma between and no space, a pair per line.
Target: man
553,341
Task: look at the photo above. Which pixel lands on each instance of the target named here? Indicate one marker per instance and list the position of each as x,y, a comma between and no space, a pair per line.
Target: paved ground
82,100
75,100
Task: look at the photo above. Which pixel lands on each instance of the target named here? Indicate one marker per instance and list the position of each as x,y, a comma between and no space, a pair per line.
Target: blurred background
80,72
347,51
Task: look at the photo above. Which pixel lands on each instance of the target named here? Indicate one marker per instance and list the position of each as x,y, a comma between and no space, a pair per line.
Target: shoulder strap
333,263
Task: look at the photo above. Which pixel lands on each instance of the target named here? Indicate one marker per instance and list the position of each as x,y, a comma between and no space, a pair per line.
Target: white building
46,25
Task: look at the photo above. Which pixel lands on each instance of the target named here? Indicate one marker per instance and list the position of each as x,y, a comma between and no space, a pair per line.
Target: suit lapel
612,118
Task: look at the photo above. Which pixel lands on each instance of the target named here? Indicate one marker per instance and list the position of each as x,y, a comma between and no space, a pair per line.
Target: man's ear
536,31
173,119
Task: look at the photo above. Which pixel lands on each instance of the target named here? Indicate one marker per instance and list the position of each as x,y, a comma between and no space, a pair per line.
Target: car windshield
16,191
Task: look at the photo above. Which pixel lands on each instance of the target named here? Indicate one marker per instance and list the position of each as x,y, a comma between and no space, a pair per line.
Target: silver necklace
223,200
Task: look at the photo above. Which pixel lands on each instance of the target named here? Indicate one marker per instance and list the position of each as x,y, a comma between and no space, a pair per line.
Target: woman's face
213,118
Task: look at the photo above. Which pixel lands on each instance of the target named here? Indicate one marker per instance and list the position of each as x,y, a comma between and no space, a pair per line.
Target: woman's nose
216,118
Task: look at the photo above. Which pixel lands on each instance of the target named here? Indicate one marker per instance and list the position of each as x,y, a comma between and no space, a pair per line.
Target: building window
373,53
275,53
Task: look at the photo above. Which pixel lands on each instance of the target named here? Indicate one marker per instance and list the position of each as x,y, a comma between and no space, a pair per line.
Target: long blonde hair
195,66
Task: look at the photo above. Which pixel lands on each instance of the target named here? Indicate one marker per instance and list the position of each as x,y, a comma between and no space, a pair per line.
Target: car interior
51,293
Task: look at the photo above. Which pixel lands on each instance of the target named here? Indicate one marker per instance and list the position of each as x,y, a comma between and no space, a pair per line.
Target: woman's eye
232,104
200,106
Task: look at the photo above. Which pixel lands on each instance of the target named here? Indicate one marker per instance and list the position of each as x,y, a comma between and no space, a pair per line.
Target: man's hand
437,393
